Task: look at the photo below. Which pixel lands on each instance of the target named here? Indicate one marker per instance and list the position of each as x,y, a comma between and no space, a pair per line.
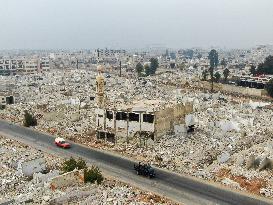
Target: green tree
266,67
29,119
93,175
269,88
147,69
224,62
213,57
217,77
139,69
81,164
71,164
252,70
205,74
181,66
172,65
226,74
153,66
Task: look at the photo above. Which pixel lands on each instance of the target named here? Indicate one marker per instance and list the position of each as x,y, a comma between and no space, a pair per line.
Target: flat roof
148,106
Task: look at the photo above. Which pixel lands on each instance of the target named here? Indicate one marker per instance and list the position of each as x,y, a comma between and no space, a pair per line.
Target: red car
60,142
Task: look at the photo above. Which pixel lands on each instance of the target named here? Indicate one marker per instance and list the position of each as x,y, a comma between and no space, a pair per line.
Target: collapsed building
230,128
144,120
254,82
6,98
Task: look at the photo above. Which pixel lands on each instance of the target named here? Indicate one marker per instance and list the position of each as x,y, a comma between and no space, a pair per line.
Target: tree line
147,69
214,62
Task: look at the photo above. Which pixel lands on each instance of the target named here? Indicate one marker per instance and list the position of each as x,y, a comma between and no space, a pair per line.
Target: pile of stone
229,130
26,175
229,133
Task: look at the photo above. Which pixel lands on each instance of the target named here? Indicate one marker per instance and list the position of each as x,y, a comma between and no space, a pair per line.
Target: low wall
67,179
234,89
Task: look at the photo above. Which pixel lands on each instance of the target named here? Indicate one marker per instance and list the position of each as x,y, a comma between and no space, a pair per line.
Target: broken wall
67,179
28,168
167,118
164,121
234,89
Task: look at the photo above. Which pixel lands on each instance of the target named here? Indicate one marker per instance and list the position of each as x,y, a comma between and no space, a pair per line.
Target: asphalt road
183,189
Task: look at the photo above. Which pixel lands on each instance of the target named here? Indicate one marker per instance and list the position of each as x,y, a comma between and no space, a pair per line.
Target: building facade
8,67
140,122
23,66
6,99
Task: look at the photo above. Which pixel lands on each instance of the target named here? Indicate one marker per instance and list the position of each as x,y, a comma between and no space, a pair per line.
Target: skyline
84,24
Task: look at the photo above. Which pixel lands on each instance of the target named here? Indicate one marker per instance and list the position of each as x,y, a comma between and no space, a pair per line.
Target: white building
44,64
23,66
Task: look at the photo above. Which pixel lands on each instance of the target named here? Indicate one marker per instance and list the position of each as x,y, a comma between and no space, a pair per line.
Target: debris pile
231,132
35,189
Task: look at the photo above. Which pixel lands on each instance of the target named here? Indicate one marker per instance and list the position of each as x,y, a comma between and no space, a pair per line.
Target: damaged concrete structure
67,179
143,121
28,168
254,82
6,99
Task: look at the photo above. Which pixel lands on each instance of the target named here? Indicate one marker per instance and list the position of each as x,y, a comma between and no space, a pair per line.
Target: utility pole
119,68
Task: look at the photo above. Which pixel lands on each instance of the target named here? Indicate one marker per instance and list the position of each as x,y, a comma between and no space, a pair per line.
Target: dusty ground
203,154
21,188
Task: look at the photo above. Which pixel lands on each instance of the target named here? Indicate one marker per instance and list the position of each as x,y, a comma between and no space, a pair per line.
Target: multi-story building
30,66
44,64
109,55
8,67
23,66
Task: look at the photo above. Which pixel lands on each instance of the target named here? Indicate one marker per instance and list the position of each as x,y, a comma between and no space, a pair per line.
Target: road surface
182,189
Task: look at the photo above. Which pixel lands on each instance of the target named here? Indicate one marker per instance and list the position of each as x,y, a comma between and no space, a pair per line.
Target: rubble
37,189
231,132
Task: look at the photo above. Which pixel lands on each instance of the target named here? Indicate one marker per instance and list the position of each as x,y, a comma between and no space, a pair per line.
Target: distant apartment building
109,52
8,67
44,64
109,55
258,82
29,67
23,66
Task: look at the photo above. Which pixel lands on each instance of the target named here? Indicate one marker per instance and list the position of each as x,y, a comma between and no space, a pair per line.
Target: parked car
107,75
60,142
144,170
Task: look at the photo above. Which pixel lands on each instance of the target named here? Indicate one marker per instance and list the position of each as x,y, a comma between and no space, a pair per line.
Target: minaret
100,87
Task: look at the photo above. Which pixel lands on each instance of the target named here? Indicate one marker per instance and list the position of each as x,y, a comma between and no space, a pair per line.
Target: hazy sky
45,24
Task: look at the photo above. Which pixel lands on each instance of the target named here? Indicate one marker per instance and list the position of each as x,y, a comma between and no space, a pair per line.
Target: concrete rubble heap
231,131
36,189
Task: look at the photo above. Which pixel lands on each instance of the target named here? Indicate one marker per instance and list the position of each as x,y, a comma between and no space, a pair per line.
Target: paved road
183,189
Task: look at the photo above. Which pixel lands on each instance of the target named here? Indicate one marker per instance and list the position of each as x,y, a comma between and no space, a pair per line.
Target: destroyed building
24,66
254,82
143,121
6,98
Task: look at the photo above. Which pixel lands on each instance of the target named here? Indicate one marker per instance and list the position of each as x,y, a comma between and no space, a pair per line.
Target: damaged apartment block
6,98
141,122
